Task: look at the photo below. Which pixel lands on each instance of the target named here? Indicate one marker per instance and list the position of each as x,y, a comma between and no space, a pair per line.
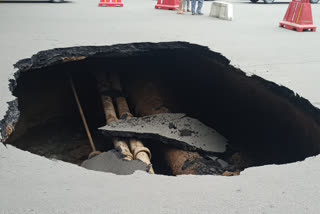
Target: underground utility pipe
104,87
139,151
148,100
122,105
94,151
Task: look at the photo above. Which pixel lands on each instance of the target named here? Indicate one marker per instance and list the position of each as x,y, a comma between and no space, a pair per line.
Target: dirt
67,143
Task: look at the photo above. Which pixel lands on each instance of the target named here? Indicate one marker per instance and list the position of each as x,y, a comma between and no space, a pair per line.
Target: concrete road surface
253,42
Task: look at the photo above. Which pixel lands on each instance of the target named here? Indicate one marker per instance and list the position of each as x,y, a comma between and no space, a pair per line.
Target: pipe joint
137,150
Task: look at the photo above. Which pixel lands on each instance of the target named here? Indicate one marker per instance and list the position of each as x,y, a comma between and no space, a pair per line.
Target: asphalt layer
176,129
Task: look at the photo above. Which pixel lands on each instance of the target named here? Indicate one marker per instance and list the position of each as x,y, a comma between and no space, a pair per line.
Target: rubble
169,128
113,162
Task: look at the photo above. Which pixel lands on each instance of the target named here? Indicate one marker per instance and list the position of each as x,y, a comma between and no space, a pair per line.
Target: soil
67,143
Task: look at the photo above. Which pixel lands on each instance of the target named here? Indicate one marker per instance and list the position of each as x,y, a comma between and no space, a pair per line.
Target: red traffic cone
110,3
299,16
168,4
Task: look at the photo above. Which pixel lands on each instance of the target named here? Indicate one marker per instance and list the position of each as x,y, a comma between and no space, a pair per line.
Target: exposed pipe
123,108
124,148
139,151
111,117
104,87
148,101
108,108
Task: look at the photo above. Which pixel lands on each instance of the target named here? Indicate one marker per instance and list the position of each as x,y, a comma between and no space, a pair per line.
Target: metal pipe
94,151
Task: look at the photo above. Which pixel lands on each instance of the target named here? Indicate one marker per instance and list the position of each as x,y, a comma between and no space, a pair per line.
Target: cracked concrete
176,129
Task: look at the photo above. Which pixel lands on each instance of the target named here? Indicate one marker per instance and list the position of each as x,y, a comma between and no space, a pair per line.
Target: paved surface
34,184
253,42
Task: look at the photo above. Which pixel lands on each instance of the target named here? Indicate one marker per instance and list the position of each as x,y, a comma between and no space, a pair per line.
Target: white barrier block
222,10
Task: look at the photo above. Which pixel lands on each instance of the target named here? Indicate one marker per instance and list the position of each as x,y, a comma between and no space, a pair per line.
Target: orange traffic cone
111,3
168,4
299,16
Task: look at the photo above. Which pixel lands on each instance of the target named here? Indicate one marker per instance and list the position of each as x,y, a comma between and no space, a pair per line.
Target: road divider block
222,10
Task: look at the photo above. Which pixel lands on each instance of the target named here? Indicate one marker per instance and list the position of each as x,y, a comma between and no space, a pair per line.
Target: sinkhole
177,93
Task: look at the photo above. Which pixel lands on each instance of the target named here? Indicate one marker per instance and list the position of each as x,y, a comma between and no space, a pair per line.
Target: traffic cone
299,16
168,4
111,3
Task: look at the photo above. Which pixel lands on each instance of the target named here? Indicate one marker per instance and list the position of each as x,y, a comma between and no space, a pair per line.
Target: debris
74,58
191,163
112,161
195,135
9,130
160,124
227,173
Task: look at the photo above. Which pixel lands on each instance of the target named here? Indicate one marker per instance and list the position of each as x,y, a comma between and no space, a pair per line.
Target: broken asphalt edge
64,55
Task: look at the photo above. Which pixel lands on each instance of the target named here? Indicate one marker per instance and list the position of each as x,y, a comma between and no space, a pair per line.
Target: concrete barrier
222,10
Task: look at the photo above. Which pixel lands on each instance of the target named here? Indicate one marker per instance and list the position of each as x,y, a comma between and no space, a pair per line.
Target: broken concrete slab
112,162
178,129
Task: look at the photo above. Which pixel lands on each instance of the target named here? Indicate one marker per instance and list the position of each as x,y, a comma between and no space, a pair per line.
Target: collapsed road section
166,108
